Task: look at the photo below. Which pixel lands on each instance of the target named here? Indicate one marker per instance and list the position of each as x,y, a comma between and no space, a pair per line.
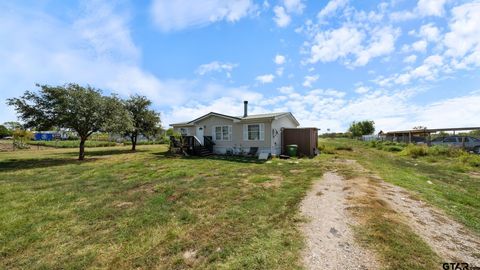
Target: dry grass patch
381,229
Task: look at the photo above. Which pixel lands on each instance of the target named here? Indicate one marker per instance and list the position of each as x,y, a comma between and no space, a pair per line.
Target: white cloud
267,78
279,59
294,6
106,31
431,7
331,7
96,49
382,43
215,66
423,8
410,59
451,112
403,15
284,10
286,90
430,32
309,80
419,46
282,19
458,49
329,108
362,90
279,71
229,102
334,44
430,70
346,41
181,14
464,35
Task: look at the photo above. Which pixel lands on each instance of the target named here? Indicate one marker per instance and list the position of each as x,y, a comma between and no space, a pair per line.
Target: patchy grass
397,245
127,210
380,228
415,151
447,181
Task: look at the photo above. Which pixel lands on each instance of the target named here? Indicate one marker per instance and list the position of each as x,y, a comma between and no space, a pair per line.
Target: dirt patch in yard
450,239
474,174
148,188
275,181
329,238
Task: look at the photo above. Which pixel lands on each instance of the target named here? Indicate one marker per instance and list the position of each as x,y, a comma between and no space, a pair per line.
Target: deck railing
192,144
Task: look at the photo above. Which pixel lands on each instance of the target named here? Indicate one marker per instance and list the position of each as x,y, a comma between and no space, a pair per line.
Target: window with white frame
184,131
222,133
254,132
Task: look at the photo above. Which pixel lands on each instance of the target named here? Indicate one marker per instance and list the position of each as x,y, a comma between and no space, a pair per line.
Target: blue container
43,136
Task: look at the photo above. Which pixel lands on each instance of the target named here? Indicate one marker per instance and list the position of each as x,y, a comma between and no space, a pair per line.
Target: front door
199,134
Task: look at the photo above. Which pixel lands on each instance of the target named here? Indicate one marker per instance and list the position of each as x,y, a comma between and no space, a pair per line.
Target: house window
254,132
222,133
184,131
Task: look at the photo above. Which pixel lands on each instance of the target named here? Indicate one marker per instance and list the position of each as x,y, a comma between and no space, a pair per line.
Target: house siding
237,142
277,125
271,142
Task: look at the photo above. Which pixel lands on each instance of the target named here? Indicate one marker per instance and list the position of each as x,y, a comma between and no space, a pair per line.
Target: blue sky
400,63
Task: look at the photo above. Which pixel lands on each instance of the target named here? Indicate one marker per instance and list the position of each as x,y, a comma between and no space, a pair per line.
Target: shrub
393,148
344,147
442,150
469,159
327,149
415,150
387,146
20,145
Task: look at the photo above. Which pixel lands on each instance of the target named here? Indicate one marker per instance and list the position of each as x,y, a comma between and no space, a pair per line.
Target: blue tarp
43,136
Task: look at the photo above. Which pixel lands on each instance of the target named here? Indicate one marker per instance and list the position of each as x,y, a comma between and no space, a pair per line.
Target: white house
237,134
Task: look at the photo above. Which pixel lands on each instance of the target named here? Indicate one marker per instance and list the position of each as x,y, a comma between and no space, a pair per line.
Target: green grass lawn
127,210
443,181
71,144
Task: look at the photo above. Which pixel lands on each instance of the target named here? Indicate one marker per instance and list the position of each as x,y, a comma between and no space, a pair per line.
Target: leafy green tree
12,125
144,121
362,128
4,132
475,133
82,109
170,132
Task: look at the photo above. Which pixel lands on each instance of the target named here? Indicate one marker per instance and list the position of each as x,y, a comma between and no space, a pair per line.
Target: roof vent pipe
245,108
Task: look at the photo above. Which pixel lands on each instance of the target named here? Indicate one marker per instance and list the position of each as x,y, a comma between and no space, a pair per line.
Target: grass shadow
167,154
90,153
25,164
239,159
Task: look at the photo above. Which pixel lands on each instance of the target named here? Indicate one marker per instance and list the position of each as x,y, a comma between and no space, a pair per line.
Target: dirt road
329,237
330,242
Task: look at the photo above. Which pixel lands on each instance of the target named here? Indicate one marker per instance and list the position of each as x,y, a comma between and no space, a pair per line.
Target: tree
362,128
170,132
82,109
12,125
144,121
4,132
22,135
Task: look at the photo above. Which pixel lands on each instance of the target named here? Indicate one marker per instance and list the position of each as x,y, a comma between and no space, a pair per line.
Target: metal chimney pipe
245,108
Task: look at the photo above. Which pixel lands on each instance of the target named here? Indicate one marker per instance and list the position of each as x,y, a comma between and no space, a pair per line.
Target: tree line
86,110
